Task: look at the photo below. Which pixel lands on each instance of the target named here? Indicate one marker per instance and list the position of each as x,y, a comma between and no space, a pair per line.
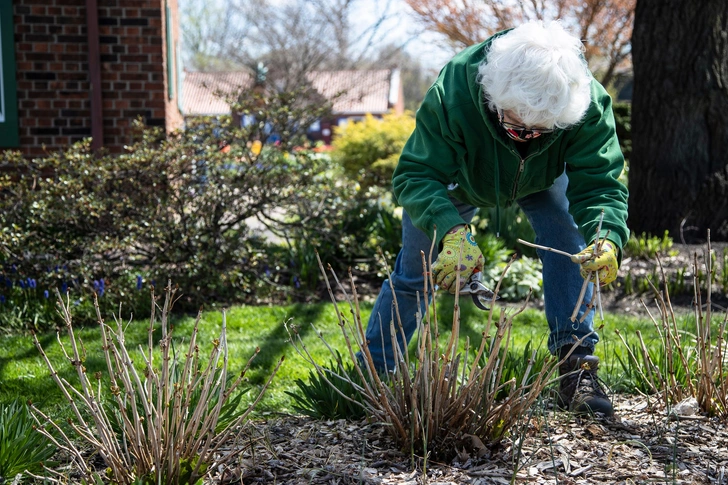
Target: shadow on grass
20,353
276,343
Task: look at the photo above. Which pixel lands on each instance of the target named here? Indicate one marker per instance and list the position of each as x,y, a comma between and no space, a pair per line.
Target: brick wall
53,80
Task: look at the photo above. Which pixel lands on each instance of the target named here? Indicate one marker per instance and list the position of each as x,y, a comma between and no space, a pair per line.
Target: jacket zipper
521,166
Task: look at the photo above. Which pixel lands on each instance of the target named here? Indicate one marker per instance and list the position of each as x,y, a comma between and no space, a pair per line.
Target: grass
23,374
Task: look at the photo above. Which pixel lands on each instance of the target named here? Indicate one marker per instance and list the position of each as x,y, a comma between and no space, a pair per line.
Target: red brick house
354,94
73,69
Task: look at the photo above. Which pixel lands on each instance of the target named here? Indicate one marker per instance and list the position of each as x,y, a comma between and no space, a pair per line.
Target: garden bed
641,444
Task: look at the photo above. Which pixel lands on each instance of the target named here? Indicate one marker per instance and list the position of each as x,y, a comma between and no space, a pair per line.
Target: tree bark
678,176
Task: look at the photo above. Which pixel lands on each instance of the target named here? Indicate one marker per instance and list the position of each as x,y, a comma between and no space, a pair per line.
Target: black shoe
580,390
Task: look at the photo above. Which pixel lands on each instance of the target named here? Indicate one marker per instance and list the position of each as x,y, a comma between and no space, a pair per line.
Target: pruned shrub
688,364
434,399
163,421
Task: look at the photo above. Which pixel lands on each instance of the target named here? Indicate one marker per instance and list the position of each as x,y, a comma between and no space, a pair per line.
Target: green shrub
369,150
21,446
199,207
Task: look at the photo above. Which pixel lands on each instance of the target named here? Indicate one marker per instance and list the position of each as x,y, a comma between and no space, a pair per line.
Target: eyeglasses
520,133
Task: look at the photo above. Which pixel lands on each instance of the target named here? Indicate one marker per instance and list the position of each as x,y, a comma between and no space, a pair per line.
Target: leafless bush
443,395
689,365
164,423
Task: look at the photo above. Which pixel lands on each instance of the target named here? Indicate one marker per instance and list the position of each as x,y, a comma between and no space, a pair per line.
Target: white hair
538,72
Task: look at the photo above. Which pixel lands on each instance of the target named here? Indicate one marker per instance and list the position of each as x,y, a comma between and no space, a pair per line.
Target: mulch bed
641,444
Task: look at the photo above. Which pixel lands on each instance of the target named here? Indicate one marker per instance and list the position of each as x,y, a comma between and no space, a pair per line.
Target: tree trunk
678,177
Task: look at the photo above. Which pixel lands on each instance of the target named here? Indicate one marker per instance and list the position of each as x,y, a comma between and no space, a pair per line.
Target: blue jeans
548,213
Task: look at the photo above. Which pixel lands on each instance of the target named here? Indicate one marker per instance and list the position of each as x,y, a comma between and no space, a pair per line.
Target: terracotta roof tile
352,92
201,91
358,92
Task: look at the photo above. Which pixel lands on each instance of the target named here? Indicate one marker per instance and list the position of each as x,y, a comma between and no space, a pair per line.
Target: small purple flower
32,283
46,294
21,284
14,268
296,282
267,270
139,282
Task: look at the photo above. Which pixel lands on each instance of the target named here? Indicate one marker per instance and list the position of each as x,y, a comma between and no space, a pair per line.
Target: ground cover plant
163,423
22,449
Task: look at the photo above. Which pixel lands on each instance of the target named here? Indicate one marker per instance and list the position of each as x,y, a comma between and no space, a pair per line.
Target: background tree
604,25
211,35
679,174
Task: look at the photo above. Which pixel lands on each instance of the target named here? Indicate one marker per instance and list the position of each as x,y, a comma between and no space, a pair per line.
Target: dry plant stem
165,430
544,248
381,394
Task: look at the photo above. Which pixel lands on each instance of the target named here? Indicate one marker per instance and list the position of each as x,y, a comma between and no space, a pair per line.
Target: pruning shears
482,295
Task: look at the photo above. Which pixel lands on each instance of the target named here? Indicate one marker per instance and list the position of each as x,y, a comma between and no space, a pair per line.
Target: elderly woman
516,119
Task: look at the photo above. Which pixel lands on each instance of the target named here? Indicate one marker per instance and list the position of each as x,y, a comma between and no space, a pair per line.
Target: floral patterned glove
605,262
444,271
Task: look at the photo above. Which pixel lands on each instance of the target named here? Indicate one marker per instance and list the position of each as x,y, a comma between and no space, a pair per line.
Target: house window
8,94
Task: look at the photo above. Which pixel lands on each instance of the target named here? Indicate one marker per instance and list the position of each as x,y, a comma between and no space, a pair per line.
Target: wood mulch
641,444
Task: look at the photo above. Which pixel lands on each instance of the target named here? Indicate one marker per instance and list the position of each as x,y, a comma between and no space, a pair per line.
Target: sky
403,28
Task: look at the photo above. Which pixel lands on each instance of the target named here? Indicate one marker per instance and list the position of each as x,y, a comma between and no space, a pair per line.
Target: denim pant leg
407,280
548,213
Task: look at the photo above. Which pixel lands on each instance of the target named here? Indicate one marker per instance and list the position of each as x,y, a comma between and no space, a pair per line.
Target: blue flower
2,299
267,270
64,288
102,284
296,282
21,284
46,294
8,282
139,282
32,283
14,268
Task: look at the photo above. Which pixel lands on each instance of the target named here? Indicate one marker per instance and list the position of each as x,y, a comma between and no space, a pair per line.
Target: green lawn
24,374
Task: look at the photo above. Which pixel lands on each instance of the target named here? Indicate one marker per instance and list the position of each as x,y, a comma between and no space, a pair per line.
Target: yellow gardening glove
605,262
444,271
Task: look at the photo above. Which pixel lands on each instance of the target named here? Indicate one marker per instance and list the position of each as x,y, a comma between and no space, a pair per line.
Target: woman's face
515,128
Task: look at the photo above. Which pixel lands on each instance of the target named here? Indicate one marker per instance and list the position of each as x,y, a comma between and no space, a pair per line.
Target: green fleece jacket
458,149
